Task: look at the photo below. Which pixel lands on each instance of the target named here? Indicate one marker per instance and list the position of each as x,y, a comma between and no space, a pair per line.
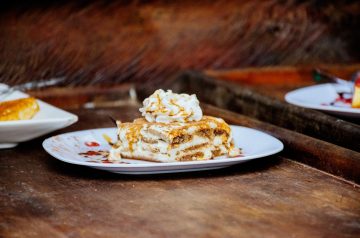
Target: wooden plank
276,81
271,197
90,96
104,42
281,75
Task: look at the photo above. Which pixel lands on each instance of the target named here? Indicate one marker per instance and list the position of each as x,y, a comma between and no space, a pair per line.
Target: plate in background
88,148
320,97
48,119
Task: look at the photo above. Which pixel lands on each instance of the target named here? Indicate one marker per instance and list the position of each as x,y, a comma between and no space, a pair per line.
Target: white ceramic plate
81,148
320,97
48,119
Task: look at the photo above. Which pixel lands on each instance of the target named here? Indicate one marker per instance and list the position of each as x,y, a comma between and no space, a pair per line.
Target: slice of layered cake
173,129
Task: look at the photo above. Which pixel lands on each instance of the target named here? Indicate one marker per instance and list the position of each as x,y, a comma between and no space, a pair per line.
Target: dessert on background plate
338,97
23,118
172,129
356,97
331,98
348,98
18,109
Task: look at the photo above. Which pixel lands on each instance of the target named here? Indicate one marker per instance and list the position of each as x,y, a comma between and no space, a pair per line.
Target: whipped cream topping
167,107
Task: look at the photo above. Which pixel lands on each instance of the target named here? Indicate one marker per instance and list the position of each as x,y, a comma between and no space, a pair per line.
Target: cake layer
200,140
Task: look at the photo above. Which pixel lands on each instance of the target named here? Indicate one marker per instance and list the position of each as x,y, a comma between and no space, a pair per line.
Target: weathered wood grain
110,42
89,97
271,197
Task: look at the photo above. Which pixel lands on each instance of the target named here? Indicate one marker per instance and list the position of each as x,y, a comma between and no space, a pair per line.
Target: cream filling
163,151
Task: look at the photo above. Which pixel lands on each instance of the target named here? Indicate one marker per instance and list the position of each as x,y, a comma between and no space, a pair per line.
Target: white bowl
48,119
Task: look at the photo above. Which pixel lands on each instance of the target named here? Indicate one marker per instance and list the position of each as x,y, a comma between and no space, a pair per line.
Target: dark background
110,42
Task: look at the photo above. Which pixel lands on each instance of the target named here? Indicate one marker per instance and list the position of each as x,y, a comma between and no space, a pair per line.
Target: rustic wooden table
270,197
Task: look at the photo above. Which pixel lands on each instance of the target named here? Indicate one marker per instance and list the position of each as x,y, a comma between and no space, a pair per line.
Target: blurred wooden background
112,42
